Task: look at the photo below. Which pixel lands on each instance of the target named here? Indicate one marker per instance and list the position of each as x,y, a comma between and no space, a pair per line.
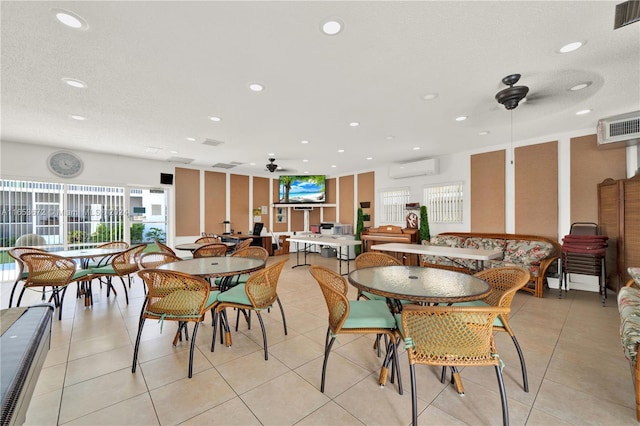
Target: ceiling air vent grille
212,142
181,160
627,13
620,128
224,165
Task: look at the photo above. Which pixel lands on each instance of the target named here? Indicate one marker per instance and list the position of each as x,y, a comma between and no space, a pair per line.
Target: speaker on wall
166,178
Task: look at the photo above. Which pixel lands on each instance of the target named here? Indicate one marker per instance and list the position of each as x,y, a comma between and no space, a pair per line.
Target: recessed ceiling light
583,112
461,118
416,148
70,19
191,139
390,137
341,150
271,154
79,84
580,86
214,118
571,47
306,172
354,124
78,117
305,161
331,26
256,87
334,166
152,149
252,164
304,142
173,152
430,96
484,133
369,158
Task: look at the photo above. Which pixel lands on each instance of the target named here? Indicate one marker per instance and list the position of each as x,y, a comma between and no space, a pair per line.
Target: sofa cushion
629,308
485,243
448,240
526,252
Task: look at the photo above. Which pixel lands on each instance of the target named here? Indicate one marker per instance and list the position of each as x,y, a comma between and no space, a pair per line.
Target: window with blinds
393,202
444,202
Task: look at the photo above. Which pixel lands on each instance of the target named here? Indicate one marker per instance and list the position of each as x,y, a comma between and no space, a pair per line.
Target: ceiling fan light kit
272,167
512,95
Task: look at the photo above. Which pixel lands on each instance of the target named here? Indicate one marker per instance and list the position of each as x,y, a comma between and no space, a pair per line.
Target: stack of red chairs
583,252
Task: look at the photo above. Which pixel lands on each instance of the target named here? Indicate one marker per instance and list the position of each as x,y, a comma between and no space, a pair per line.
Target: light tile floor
577,372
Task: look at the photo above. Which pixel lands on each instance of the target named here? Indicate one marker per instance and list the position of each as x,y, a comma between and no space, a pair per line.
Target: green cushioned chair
122,265
355,317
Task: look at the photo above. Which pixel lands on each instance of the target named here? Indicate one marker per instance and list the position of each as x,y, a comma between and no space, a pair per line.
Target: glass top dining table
419,284
214,267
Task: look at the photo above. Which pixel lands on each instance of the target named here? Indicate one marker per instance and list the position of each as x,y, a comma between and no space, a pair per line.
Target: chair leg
264,336
214,315
523,366
126,293
137,345
414,396
503,397
20,296
327,351
284,320
396,363
443,375
64,291
13,290
193,345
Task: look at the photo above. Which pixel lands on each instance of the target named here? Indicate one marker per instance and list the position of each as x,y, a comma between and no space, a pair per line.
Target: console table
264,241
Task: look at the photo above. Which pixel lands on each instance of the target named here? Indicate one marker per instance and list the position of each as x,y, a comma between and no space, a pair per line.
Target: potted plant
425,235
359,229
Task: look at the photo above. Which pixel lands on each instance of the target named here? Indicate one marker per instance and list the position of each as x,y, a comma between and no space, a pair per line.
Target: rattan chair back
126,263
372,258
253,252
243,244
262,285
16,252
211,250
208,240
450,335
153,259
115,244
164,248
505,282
334,289
174,295
46,269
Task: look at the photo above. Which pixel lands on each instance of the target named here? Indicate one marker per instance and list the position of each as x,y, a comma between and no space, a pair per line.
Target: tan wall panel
347,194
261,198
590,166
329,213
187,187
536,187
240,203
488,192
297,220
366,192
215,190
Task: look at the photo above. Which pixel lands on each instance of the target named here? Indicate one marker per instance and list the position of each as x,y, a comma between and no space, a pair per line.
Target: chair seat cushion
235,294
372,296
81,273
104,270
211,300
369,314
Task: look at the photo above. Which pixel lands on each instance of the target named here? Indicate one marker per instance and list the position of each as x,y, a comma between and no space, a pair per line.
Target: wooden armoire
619,219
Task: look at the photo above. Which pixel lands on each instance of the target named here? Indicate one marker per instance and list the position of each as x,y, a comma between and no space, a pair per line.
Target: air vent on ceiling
623,128
181,160
416,168
224,165
626,13
212,142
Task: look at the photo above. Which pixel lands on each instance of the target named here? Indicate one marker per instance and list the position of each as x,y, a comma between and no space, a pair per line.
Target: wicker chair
257,294
242,245
174,296
164,248
455,336
97,262
49,270
505,282
153,259
23,269
210,250
208,240
370,259
354,317
122,265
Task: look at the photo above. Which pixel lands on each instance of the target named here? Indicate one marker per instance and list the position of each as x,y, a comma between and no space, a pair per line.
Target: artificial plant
424,224
359,229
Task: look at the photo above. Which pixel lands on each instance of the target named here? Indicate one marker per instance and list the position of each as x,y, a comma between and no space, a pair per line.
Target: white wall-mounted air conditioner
415,168
623,128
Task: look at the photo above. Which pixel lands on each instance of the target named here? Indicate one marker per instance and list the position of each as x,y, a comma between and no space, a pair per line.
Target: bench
534,253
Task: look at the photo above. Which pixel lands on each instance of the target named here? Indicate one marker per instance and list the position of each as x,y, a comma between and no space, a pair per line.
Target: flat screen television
304,189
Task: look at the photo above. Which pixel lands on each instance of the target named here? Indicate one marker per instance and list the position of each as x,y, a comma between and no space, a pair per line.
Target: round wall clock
65,164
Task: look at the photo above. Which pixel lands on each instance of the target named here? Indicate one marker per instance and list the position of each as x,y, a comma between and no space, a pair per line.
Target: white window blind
393,205
444,202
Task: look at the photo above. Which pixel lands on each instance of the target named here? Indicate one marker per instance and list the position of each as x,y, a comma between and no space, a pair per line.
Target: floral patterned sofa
629,307
531,252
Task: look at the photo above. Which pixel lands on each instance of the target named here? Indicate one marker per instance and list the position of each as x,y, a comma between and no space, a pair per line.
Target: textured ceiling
156,70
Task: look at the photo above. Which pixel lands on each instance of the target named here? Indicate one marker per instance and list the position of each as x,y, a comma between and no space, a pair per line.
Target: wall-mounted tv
305,189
